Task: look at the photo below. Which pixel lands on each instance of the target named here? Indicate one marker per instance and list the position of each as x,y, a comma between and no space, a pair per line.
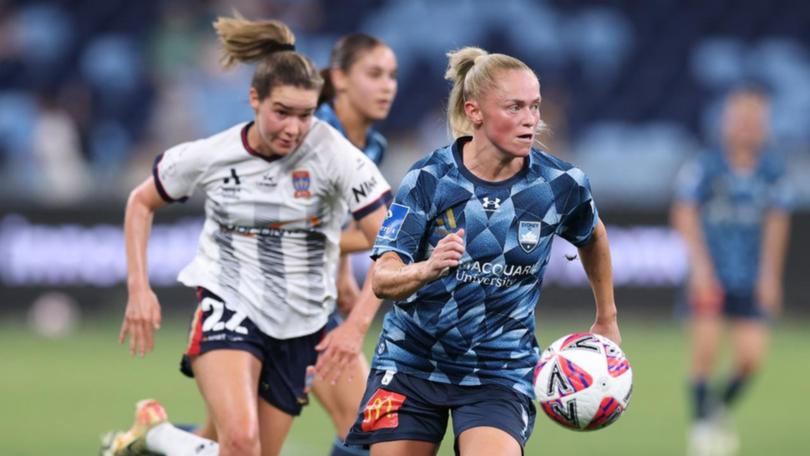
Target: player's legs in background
342,402
274,425
705,330
750,344
228,381
405,448
347,286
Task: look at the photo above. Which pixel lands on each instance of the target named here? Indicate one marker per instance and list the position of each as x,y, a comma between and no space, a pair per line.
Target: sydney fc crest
529,235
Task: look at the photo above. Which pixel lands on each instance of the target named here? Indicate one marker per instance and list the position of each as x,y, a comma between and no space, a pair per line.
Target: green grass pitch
59,396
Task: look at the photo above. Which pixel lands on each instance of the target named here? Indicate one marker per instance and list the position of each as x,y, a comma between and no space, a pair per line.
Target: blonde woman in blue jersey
732,211
277,191
462,253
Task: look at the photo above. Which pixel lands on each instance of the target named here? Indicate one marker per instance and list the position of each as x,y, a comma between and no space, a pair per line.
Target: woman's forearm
137,226
595,258
393,279
686,221
140,211
366,305
776,233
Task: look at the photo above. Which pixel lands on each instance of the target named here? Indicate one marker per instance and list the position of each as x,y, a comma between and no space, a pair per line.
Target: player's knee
749,365
240,441
702,363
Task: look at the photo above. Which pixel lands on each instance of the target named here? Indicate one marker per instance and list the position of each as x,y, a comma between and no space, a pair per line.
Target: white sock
171,441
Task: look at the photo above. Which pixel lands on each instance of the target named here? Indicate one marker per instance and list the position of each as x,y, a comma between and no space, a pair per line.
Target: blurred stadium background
91,92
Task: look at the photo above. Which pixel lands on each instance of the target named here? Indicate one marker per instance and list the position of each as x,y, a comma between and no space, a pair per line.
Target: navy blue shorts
743,306
735,305
403,407
282,381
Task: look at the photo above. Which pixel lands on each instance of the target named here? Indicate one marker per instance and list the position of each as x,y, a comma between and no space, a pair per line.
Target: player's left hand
338,349
609,329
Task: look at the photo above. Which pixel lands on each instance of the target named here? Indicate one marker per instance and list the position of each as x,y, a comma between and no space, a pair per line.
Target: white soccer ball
583,381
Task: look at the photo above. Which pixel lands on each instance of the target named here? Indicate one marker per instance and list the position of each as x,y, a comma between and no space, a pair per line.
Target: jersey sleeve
177,171
579,213
362,185
406,222
689,182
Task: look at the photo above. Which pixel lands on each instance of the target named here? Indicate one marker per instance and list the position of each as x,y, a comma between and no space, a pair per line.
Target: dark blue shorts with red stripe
282,381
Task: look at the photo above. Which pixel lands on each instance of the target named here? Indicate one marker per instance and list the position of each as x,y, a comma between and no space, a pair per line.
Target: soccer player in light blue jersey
462,254
360,86
732,210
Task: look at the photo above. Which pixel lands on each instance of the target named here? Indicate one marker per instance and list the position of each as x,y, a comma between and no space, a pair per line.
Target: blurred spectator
138,76
57,150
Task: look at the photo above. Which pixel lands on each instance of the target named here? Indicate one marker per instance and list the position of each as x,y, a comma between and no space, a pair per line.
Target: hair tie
273,46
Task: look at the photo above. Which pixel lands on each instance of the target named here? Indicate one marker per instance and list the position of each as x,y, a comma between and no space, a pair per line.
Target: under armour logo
233,176
491,204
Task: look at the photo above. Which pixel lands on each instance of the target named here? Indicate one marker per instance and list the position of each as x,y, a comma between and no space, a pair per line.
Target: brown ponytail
271,44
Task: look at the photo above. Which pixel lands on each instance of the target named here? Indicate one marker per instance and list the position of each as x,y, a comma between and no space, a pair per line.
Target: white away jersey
270,243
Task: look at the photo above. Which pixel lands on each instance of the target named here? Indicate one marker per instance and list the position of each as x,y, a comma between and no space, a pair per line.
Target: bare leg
405,448
228,381
705,332
750,342
485,441
207,430
750,338
342,400
274,427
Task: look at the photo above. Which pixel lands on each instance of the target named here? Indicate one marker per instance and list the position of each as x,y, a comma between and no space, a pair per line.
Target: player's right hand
769,294
338,350
609,329
141,319
446,255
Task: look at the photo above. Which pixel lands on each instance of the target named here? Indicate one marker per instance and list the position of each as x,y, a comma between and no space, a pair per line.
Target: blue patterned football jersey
732,209
375,141
476,325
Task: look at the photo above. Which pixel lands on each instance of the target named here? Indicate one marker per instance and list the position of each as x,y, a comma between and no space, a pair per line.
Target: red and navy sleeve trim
384,199
159,185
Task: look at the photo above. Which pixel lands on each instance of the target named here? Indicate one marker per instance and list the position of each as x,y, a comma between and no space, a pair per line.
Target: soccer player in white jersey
359,86
277,190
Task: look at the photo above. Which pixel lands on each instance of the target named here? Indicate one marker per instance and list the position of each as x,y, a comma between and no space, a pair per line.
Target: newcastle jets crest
529,235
